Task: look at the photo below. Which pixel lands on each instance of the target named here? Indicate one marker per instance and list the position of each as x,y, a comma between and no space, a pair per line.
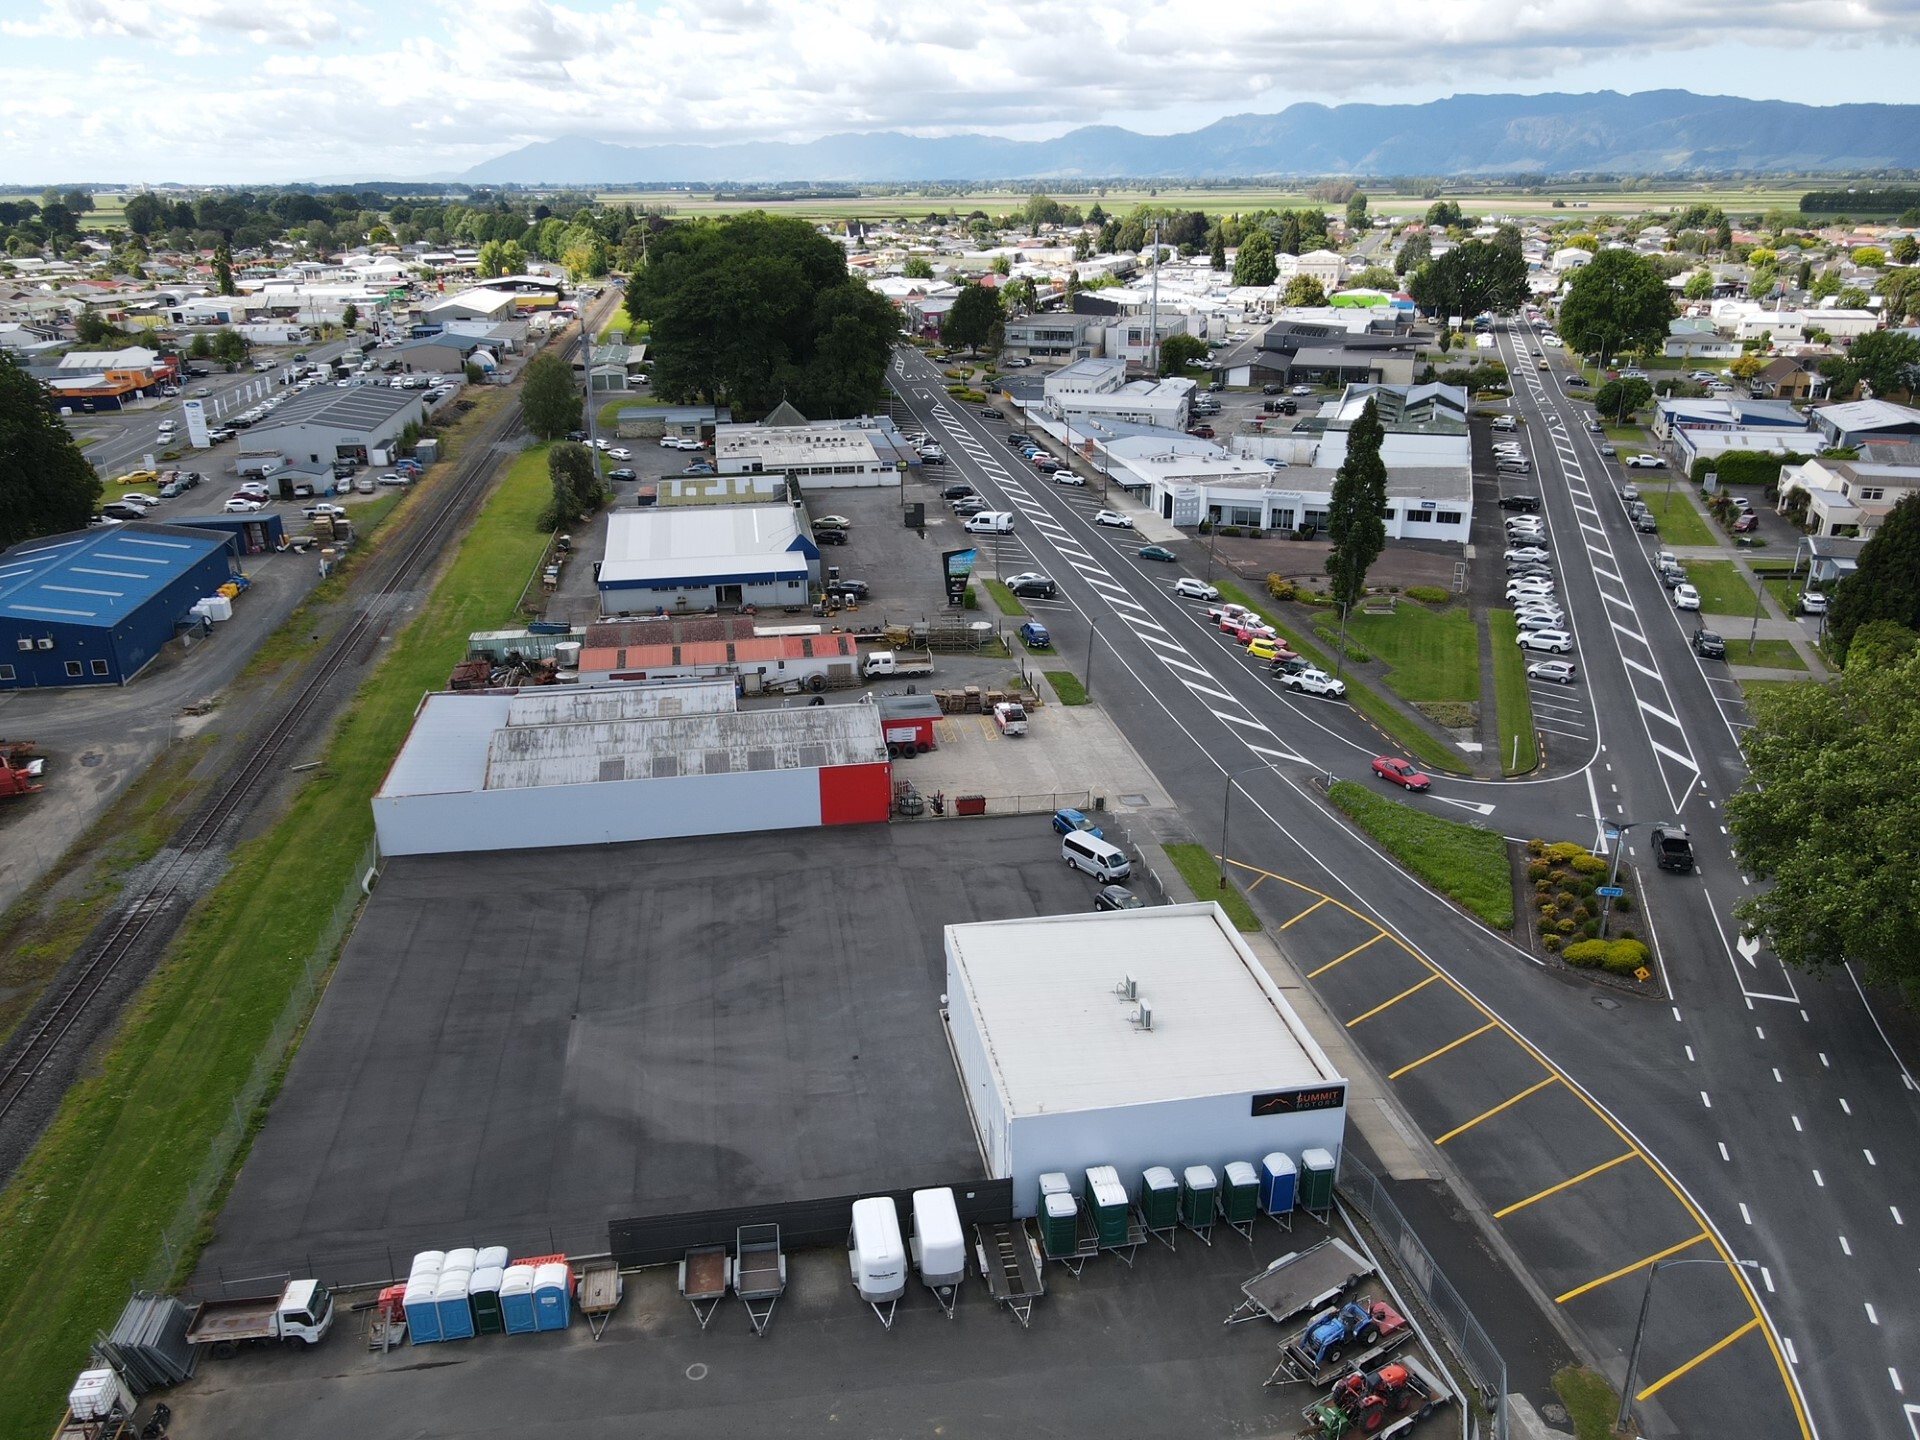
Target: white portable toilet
939,1246
461,1259
429,1262
490,1257
876,1256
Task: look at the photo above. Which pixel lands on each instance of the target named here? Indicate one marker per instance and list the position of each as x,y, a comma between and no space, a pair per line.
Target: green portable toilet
1240,1194
1159,1198
1054,1182
1198,1184
1107,1199
483,1292
1316,1181
1060,1224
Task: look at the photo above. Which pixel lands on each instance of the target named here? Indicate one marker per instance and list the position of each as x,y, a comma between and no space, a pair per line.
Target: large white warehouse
1205,1064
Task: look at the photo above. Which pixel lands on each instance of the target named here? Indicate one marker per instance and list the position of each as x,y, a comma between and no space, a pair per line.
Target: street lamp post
1616,831
1093,628
1226,806
1625,1418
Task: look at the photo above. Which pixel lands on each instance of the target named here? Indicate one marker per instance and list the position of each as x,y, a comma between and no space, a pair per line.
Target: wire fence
177,1238
1362,1189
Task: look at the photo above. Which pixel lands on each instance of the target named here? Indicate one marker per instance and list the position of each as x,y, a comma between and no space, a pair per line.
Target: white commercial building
701,557
568,766
1098,390
1134,1038
828,455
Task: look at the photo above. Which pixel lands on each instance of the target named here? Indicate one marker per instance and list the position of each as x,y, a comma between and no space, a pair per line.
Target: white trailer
876,1255
939,1246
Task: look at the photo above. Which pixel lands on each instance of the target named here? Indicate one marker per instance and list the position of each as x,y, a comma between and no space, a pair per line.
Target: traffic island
1575,916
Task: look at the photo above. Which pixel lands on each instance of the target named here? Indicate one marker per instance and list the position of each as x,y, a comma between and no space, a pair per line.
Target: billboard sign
196,423
958,565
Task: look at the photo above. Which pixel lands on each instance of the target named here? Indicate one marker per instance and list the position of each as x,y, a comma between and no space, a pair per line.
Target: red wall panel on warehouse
855,794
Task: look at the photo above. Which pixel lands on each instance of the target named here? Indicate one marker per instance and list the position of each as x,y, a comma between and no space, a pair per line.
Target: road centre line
1657,1386
1389,1004
1433,1054
1565,1184
1612,1275
1489,1114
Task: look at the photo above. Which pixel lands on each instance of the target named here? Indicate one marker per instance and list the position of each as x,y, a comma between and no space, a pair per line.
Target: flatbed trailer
1380,1404
759,1272
1301,1280
1009,1259
1386,1330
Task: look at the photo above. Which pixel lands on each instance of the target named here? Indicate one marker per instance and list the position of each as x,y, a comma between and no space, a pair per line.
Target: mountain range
1657,133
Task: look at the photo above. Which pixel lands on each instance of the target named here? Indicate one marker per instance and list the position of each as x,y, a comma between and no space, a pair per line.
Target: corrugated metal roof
362,407
1043,994
658,547
98,577
624,702
748,650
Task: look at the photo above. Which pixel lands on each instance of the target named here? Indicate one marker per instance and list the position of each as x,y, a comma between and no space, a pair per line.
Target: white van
1105,861
991,522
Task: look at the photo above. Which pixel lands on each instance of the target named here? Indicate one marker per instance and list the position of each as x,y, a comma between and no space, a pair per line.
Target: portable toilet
1316,1181
464,1258
1279,1183
456,1314
1159,1198
939,1245
1060,1223
490,1257
552,1296
429,1260
1240,1196
1054,1182
483,1292
516,1300
423,1311
1198,1185
1107,1199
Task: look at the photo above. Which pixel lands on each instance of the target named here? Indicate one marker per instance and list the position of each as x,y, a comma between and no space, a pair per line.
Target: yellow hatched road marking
1389,1004
1311,974
1704,1355
1612,1275
1489,1114
1304,913
1564,1184
1450,1045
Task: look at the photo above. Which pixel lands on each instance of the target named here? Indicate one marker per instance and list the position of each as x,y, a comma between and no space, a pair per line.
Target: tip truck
303,1312
896,662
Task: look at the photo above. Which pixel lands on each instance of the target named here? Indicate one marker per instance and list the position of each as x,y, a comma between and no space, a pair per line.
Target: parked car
243,505
1538,620
1559,672
1527,503
847,589
140,500
1032,583
619,452
1190,589
1645,462
322,507
1289,664
988,412
1117,897
956,492
1556,642
1401,773
1709,644
1066,821
1314,682
1064,476
1034,635
1747,521
393,478
623,473
1302,390
1160,553
1112,517
1812,602
678,442
1685,597
1268,647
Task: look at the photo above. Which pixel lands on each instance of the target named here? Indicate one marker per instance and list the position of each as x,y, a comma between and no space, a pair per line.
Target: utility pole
1153,311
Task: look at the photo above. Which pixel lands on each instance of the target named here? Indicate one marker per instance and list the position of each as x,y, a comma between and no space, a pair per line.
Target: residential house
1848,499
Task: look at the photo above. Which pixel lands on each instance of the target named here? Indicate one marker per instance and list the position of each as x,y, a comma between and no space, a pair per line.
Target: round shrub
1587,864
1550,942
1562,852
1535,847
1624,905
1623,957
1581,912
1280,588
1565,927
1585,953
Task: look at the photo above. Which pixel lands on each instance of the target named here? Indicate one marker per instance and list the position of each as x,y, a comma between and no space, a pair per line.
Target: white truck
896,662
302,1311
1011,717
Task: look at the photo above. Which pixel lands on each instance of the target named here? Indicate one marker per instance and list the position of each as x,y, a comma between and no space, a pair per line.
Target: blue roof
98,577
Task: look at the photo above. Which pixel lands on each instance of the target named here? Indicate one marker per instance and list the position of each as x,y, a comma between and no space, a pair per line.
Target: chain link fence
1362,1189
176,1240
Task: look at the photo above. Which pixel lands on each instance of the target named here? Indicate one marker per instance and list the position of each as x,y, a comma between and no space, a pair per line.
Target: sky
258,91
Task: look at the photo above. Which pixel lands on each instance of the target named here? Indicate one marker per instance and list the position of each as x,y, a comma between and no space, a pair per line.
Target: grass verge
1681,522
1519,742
1590,1400
1202,873
1008,602
1382,712
1723,589
1067,686
80,1220
1465,863
1765,654
1430,654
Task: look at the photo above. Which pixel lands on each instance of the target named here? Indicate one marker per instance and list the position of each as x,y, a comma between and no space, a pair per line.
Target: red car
1201,432
1746,522
1400,772
1249,631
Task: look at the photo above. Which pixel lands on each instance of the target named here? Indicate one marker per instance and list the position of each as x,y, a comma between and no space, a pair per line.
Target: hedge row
1745,467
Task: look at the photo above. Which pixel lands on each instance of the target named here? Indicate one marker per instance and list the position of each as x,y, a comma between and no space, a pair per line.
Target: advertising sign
196,423
958,565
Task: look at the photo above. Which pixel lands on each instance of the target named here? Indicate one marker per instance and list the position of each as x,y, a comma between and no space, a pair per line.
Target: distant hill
1660,132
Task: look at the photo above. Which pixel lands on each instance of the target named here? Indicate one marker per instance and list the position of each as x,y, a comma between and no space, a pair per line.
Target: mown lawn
1201,871
1681,522
80,1220
1519,741
1764,654
1723,589
1463,862
1430,654
1067,687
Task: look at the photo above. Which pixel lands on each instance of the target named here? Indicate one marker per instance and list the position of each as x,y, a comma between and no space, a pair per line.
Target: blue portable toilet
423,1311
1279,1185
456,1311
516,1300
552,1296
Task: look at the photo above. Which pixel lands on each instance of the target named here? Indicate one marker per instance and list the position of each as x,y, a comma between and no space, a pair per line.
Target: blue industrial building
95,607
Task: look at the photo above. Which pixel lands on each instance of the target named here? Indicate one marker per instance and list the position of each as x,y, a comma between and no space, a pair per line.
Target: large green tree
1885,584
223,269
1885,359
1833,822
1177,352
548,397
577,491
46,484
1614,303
1357,510
1357,211
1305,292
762,309
1415,251
1471,277
976,310
1620,398
1255,265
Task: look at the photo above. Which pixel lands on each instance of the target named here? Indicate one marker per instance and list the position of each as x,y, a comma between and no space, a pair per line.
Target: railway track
142,923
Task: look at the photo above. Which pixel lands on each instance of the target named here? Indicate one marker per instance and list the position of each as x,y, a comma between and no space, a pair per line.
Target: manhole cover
92,758
1604,1003
1137,800
696,1371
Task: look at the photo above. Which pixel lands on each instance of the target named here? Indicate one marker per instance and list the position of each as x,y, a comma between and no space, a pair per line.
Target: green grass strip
1592,1403
1067,686
1430,654
1519,744
80,1221
1723,589
1202,873
1466,863
1681,522
1412,737
1764,654
1008,602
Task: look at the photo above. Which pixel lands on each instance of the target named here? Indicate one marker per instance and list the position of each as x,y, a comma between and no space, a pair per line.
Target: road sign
1612,892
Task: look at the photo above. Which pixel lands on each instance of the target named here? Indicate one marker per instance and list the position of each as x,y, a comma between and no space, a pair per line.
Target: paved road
1591,1128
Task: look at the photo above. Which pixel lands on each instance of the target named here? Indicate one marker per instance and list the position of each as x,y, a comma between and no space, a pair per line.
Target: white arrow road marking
1749,947
1477,807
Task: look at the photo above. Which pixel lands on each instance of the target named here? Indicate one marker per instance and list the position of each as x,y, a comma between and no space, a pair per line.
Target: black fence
662,1239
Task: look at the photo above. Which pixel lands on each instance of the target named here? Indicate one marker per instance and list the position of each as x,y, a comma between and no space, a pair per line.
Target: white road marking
1477,807
1689,1054
1786,1344
1845,1248
1872,1319
1723,1153
1706,1100
1845,1108
1766,1276
1896,1214
1869,1155
1796,1119
1818,1181
1744,1213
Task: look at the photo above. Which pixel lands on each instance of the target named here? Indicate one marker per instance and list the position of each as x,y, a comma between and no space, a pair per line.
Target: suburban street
1759,1117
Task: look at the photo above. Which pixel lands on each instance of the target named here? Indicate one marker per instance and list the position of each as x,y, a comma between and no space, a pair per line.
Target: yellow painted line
1256,885
1704,1355
1304,913
1787,1380
1389,1004
1313,974
1489,1114
1450,1045
1577,1292
1564,1184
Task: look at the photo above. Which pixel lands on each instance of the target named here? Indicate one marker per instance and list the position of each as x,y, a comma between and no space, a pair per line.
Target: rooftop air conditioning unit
1143,1017
25,642
1128,989
46,642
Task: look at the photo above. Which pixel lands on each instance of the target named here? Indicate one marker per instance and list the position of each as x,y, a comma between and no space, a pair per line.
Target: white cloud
288,88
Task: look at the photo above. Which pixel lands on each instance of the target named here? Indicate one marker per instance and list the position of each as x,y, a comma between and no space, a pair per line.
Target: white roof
707,543
1868,414
1042,994
780,447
